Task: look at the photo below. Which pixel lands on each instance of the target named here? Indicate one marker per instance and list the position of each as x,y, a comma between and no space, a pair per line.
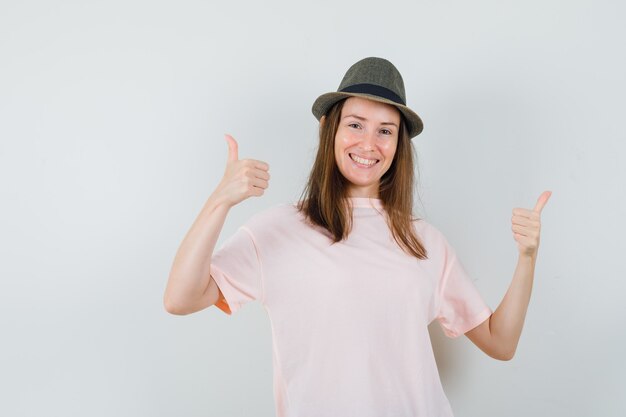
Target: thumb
542,200
233,153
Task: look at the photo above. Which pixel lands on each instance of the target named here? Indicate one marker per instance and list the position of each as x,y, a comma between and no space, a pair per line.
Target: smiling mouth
362,161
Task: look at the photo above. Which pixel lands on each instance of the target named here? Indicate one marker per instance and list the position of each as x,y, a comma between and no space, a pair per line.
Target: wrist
528,257
218,199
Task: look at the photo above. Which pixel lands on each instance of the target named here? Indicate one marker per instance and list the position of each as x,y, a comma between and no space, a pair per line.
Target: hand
242,178
527,225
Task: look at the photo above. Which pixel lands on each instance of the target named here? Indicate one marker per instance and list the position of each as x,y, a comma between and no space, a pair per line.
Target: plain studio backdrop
112,116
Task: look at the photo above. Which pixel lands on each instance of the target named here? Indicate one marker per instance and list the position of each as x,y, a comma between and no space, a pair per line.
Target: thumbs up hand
242,178
526,226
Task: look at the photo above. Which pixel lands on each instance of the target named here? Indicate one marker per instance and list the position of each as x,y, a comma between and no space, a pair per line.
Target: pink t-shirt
349,320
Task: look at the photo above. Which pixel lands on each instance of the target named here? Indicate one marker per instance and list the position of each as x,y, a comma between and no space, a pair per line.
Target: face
365,144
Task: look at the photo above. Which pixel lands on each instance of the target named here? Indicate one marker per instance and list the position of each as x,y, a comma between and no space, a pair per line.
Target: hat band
375,90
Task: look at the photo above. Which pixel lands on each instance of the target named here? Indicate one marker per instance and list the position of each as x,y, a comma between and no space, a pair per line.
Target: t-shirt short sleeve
461,307
236,269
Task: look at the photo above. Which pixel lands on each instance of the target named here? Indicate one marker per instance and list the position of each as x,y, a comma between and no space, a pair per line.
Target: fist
242,178
526,226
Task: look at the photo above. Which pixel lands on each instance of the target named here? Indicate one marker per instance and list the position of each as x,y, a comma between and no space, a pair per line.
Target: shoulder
427,231
272,217
278,228
433,239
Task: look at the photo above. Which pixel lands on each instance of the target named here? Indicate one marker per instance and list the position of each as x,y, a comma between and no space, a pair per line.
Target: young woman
350,279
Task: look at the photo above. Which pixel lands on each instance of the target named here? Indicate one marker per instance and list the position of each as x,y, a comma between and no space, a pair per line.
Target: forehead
370,109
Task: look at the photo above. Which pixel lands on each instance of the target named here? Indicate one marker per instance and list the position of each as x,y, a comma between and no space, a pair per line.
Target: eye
354,125
386,131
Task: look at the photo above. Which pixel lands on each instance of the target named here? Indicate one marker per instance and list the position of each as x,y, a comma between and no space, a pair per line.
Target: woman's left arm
499,334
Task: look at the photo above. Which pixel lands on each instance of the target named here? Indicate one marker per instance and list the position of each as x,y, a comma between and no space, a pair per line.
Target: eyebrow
363,118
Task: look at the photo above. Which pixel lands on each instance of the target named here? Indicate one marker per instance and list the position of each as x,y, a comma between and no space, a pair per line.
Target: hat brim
326,101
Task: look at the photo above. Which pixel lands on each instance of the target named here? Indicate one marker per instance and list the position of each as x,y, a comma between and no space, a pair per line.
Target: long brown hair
323,201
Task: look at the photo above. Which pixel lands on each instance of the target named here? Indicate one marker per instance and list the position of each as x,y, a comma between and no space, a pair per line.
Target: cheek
342,141
389,150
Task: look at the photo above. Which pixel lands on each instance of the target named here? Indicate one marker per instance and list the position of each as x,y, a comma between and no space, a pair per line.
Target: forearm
507,321
498,336
190,273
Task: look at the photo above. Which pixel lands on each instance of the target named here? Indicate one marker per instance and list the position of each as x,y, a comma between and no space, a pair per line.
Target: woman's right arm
190,287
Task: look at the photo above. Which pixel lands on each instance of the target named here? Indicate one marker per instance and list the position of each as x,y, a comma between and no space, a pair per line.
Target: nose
368,141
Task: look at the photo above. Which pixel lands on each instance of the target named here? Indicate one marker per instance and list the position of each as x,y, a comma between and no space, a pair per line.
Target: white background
112,115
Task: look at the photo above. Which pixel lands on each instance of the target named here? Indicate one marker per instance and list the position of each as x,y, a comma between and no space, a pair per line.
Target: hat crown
375,71
375,79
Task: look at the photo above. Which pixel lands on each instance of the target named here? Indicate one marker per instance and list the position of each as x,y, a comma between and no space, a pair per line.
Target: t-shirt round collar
366,202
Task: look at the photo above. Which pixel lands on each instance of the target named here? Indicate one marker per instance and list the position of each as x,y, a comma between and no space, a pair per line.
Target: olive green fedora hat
375,79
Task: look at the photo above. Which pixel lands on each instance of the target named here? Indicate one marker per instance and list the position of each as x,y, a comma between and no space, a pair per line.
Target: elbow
504,355
174,308
505,358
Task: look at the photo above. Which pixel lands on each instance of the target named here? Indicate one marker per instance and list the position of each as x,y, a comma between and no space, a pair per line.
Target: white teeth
363,161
